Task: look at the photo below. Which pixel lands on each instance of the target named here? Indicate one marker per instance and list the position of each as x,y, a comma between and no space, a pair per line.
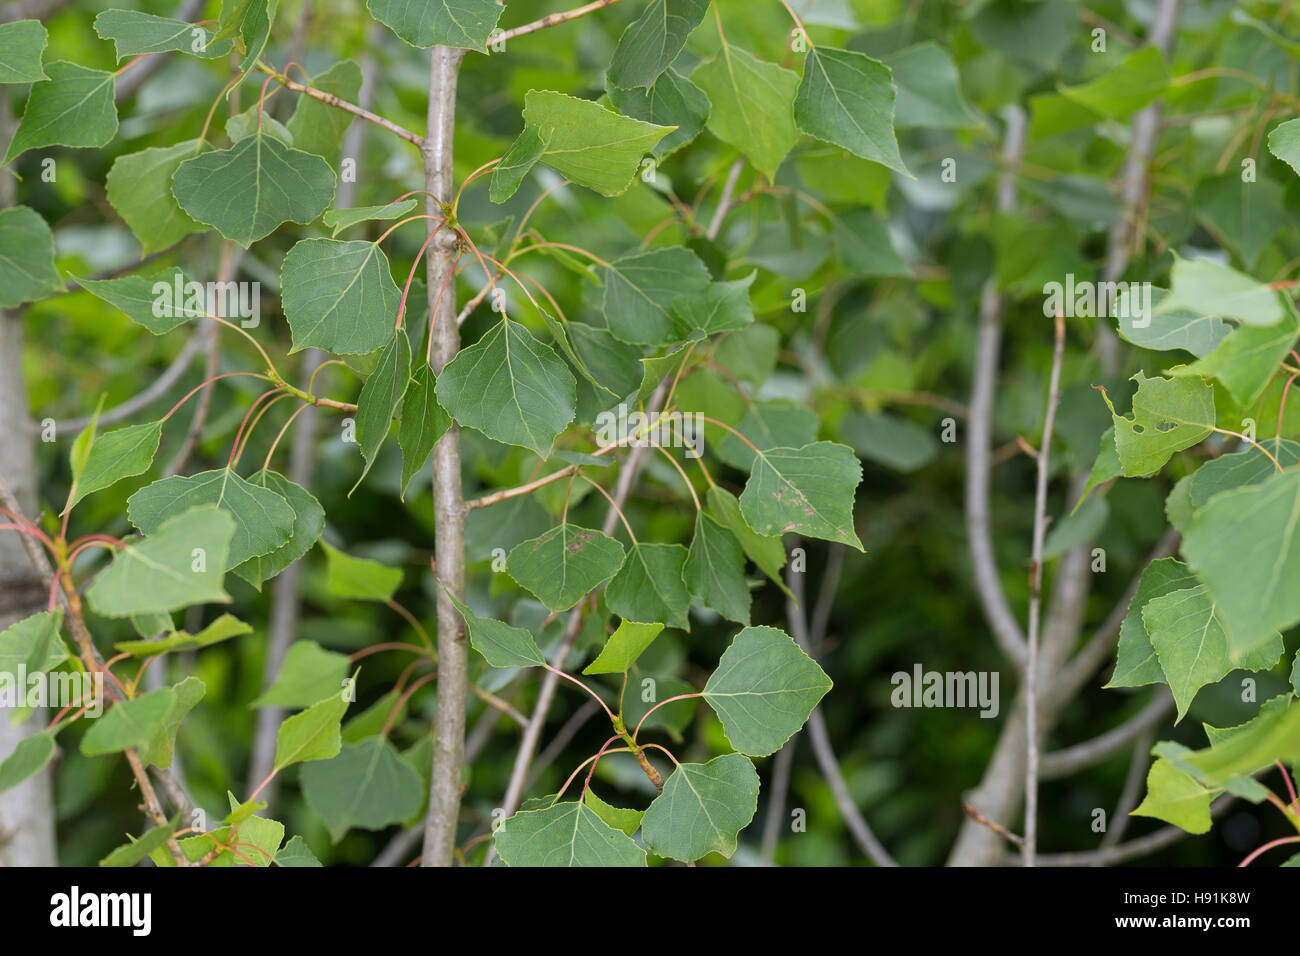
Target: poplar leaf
74,107
27,268
641,290
121,453
21,45
624,646
511,387
703,808
847,98
588,143
715,570
263,519
650,586
359,579
367,785
501,644
181,563
312,734
424,421
129,723
308,674
380,398
1169,414
134,33
752,105
764,689
653,40
250,190
466,24
565,834
565,564
339,296
807,490
140,189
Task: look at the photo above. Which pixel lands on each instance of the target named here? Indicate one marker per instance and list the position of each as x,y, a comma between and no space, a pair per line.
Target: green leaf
115,455
719,307
263,519
158,751
625,645
312,734
74,107
340,219
1169,414
21,45
380,398
847,98
296,853
1122,91
139,299
309,674
424,421
641,289
1137,663
27,268
1272,735
1165,328
1176,798
702,809
764,689
222,629
308,523
465,24
1211,289
863,244
766,551
1245,546
751,105
316,126
359,579
653,41
1192,643
1284,143
768,425
886,439
134,33
500,644
627,821
129,723
339,296
367,785
1247,359
32,643
245,124
28,759
250,190
181,563
589,143
929,89
132,853
1076,528
140,189
566,834
673,100
651,585
565,564
511,387
807,490
517,162
1249,466
715,570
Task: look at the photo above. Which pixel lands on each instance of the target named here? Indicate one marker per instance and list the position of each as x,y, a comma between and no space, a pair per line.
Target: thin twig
1036,596
1062,763
550,20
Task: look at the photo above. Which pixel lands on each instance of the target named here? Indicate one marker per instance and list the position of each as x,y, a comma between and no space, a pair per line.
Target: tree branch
552,19
1062,763
448,502
821,743
979,438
